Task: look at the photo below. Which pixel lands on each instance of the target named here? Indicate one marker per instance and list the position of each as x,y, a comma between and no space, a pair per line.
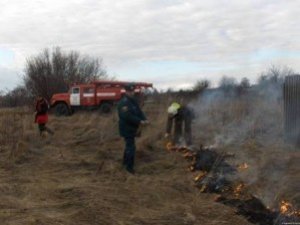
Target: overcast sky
171,43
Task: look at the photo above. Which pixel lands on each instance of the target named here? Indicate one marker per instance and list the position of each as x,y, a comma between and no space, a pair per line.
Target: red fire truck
100,95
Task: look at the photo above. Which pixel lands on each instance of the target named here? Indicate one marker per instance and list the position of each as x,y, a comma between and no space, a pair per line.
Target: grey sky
168,42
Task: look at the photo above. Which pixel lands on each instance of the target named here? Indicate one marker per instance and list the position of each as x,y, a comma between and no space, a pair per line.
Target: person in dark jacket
181,117
131,118
41,115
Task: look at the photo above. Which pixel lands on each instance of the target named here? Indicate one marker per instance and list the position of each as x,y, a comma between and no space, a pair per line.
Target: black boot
130,170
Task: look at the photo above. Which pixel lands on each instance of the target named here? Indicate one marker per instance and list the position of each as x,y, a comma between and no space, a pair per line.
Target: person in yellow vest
180,123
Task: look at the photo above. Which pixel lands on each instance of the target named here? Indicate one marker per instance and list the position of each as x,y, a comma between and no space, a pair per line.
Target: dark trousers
43,127
129,153
186,127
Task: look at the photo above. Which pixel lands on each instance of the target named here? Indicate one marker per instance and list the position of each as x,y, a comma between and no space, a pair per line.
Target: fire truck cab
102,95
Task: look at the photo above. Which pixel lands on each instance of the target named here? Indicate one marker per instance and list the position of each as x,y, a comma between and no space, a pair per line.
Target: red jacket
41,107
41,119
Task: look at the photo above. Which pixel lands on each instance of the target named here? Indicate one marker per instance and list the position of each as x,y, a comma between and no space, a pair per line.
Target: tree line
53,71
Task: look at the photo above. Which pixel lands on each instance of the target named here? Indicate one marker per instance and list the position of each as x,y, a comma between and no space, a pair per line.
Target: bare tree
227,83
245,83
16,97
52,72
274,75
270,82
201,85
243,86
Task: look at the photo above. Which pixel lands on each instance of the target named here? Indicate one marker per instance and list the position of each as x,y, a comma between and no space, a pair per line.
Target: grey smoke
251,126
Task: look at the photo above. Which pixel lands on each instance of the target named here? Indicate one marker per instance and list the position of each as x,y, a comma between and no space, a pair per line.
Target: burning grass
214,177
75,177
288,209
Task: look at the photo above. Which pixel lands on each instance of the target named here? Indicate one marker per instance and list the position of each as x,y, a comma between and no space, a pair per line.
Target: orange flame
238,189
200,176
203,188
191,168
243,166
169,146
284,207
288,209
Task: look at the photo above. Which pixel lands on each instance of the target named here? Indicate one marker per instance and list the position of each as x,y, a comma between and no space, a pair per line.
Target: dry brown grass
75,177
14,127
251,127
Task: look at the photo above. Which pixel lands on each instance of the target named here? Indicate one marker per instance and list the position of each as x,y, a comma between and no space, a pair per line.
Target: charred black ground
219,177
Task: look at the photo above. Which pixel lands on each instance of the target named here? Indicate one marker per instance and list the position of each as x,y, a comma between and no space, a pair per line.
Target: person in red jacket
41,115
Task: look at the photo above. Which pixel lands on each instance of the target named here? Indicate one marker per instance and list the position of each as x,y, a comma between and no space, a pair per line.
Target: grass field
75,177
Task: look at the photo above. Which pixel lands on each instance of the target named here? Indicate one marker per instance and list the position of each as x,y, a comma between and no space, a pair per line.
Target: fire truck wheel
105,107
61,109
